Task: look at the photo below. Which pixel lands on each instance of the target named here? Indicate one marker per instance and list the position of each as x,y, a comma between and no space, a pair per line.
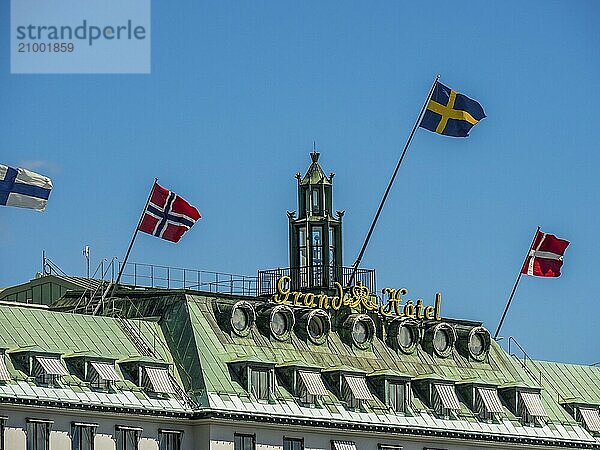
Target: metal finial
315,156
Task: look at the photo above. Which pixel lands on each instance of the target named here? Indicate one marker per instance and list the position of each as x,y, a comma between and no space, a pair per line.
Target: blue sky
239,91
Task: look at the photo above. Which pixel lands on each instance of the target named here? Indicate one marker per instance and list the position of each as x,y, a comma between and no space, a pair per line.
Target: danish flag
167,215
545,257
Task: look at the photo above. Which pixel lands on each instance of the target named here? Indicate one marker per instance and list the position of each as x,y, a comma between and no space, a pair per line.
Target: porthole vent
276,321
474,342
237,318
404,334
439,339
359,330
314,324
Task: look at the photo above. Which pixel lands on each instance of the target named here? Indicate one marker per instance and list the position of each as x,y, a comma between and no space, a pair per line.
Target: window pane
38,436
83,438
260,384
76,438
169,441
315,201
264,385
2,434
87,438
131,439
120,440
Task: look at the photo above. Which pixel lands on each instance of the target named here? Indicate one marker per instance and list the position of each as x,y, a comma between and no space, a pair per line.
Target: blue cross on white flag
23,188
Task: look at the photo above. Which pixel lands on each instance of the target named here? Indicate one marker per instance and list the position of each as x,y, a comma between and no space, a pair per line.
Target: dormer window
487,403
256,376
303,381
355,390
260,383
349,385
149,373
397,395
47,370
444,399
482,398
525,402
530,407
393,388
589,417
4,375
101,374
310,386
156,379
439,393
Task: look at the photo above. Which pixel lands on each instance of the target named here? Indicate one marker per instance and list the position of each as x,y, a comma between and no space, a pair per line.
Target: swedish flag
450,113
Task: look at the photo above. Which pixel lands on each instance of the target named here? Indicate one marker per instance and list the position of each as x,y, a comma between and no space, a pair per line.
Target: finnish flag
23,188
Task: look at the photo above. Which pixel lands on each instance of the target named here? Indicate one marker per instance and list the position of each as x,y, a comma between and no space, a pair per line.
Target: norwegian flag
167,215
545,256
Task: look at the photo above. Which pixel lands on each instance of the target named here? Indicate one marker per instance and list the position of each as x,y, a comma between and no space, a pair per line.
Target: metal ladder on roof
93,303
135,336
538,377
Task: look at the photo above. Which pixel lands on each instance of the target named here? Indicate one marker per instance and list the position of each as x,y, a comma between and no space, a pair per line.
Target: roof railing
540,377
315,276
142,275
166,277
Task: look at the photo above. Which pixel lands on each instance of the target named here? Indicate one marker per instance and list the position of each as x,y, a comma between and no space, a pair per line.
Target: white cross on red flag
167,215
545,257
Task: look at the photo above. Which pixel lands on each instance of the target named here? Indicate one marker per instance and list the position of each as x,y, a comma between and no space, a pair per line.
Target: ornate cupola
315,234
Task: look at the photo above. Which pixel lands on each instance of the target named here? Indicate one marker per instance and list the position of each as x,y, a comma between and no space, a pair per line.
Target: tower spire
315,233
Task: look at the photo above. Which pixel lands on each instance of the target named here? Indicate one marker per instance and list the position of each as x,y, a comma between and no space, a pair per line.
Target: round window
279,324
441,341
360,332
242,318
476,344
316,327
403,334
239,319
406,337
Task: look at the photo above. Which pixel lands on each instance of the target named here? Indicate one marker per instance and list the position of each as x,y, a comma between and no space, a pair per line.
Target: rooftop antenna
86,254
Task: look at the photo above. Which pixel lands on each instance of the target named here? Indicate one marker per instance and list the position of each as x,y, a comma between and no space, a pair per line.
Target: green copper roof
184,329
583,384
315,174
66,333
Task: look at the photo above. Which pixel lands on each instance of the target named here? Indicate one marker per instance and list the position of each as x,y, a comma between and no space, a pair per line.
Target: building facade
315,358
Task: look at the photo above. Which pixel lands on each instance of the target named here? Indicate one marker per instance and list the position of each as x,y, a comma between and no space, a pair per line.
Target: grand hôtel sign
359,296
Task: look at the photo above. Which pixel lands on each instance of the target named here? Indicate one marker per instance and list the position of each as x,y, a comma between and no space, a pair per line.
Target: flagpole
137,228
391,182
510,298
